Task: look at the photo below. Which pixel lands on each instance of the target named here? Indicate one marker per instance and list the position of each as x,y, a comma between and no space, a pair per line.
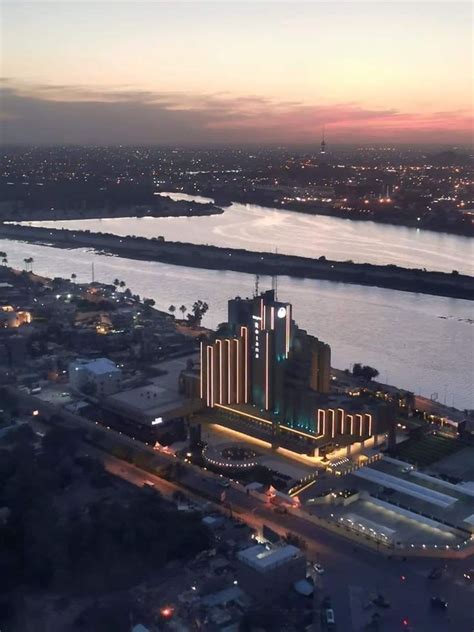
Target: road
353,573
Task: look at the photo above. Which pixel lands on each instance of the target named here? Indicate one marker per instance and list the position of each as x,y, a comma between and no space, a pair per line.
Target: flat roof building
266,572
101,377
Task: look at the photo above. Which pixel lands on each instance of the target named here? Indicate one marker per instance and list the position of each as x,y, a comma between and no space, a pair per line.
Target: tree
198,309
364,371
183,309
172,309
73,277
122,284
3,257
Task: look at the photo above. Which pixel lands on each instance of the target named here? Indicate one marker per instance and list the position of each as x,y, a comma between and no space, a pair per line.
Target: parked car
469,575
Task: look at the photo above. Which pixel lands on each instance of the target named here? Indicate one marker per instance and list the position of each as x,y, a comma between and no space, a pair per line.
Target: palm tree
73,277
183,309
116,282
172,309
122,284
28,264
4,259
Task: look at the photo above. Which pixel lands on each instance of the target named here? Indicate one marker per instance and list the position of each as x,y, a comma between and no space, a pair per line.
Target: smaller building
99,377
267,572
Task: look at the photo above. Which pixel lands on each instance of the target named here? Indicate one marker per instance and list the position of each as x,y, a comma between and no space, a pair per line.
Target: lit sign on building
156,421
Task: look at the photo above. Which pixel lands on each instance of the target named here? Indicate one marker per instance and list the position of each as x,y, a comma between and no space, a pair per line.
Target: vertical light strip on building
212,374
321,416
359,418
351,417
221,372
267,369
272,317
246,363
342,420
370,423
229,376
237,376
288,328
333,418
209,376
201,385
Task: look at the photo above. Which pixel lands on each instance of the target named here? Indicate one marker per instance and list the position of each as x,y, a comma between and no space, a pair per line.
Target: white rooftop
100,366
263,559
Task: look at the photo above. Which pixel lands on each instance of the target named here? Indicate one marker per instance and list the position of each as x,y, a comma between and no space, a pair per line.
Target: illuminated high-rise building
263,371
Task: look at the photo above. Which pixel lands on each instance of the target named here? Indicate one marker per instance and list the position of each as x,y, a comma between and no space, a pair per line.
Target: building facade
101,375
263,369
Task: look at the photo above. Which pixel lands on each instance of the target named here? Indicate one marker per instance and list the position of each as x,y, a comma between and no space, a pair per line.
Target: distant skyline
234,72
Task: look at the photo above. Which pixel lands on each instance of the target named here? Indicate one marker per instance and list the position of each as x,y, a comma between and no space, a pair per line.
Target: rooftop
99,366
262,559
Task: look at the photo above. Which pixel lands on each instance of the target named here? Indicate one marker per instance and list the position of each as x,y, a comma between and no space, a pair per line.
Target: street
353,575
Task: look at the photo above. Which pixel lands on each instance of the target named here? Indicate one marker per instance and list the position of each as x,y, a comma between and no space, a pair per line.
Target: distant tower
323,144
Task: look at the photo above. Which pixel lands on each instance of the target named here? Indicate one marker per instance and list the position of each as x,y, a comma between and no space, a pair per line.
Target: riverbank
264,263
451,224
160,206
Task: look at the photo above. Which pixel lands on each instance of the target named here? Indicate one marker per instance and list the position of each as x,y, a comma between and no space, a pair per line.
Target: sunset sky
269,72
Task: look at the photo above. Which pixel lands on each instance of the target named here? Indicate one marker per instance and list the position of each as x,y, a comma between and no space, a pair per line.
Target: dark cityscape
236,324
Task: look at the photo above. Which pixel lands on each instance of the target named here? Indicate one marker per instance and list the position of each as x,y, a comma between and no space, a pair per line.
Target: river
420,342
264,229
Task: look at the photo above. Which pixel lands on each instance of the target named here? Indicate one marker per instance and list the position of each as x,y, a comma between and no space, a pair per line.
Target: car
329,616
318,569
469,575
438,603
149,483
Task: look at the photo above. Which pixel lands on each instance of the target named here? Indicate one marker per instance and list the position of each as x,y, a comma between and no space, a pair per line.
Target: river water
420,342
258,228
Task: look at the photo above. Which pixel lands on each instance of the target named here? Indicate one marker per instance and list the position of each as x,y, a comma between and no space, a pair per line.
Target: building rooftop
263,559
147,399
99,366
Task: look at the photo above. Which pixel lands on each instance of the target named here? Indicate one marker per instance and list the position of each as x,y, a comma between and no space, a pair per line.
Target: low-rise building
266,572
101,376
